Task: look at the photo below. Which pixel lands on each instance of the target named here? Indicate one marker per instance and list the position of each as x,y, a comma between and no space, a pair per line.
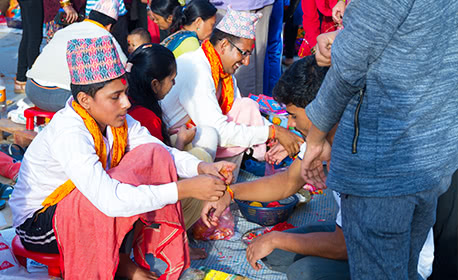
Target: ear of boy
83,100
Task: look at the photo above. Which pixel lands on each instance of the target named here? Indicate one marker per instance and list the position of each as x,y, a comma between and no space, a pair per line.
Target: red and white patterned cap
240,24
93,60
108,7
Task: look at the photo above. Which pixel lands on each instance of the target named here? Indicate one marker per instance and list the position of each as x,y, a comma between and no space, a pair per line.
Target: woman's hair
164,8
190,12
149,62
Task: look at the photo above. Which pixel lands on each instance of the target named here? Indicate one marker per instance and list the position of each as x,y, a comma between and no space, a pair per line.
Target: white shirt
51,68
425,261
195,97
65,150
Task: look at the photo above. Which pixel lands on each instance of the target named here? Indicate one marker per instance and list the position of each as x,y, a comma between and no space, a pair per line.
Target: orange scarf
227,88
119,147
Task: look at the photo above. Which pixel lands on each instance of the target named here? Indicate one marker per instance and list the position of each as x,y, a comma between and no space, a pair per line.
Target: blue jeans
384,235
47,98
298,266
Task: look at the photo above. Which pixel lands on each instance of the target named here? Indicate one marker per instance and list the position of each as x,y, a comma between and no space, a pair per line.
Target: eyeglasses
243,53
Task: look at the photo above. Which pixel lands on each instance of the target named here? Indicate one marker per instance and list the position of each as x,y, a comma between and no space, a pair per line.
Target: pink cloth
244,111
89,241
8,168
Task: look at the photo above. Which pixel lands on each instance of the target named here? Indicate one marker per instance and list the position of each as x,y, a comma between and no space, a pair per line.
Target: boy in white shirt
68,178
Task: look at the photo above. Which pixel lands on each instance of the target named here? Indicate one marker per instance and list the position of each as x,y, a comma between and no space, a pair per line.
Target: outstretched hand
312,164
221,169
202,187
289,140
276,154
260,247
212,210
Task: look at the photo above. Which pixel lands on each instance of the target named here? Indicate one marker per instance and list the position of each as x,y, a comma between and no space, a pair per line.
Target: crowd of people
149,135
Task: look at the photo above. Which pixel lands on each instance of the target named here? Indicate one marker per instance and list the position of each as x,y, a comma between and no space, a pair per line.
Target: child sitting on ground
136,38
94,180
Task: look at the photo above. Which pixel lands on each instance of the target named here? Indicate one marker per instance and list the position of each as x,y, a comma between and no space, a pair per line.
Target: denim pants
47,98
300,267
384,235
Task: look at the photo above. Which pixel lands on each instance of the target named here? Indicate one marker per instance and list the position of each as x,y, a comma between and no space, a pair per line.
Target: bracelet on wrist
273,132
313,50
345,1
65,3
229,190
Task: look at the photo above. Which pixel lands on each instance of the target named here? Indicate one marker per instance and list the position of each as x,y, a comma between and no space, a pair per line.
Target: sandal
13,150
19,87
5,191
2,204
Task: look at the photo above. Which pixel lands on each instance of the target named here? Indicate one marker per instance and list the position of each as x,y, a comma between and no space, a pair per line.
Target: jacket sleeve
369,27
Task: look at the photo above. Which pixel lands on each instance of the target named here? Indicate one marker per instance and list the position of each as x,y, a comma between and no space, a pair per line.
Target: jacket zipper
356,121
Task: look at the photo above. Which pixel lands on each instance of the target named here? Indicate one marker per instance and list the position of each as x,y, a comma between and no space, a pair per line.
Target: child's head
137,37
297,87
151,76
98,82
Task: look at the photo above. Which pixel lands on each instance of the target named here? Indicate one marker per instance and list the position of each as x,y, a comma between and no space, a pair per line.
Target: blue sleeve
369,27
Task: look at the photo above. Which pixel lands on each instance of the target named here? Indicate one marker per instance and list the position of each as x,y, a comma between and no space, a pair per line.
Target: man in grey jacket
393,87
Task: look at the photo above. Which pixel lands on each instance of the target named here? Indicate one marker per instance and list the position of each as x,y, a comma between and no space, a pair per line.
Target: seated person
136,38
151,75
206,93
94,180
314,251
48,86
190,25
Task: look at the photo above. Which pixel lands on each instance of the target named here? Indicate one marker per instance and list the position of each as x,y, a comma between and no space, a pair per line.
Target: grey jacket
393,86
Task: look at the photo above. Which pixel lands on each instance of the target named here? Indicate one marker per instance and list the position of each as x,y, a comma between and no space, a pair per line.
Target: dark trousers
120,32
445,264
32,34
289,38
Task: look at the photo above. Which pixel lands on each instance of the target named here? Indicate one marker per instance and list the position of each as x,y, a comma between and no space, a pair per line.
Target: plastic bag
224,230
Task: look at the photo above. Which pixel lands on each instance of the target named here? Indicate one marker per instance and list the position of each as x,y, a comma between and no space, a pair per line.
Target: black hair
219,35
90,89
149,62
101,18
143,33
164,8
186,15
300,83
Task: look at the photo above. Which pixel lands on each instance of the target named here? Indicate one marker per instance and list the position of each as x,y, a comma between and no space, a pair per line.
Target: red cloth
153,29
51,7
89,241
311,22
148,119
8,168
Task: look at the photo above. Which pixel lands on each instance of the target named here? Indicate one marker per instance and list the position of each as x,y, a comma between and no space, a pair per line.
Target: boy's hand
323,48
318,150
260,247
289,140
211,211
276,154
220,169
203,187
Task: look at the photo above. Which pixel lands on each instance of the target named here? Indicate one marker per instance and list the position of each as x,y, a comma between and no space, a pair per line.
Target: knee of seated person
207,138
249,104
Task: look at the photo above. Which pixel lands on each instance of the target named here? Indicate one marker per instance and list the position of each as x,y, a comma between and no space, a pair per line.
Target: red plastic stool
22,254
33,112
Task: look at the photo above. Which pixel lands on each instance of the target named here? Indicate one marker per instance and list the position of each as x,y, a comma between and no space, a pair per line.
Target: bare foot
197,253
127,268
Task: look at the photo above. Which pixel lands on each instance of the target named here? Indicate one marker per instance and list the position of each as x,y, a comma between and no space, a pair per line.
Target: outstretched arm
329,245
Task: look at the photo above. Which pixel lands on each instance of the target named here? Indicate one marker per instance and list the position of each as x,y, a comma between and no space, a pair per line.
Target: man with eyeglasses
206,93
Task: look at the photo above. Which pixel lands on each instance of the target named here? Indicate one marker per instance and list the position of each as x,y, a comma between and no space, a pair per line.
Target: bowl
268,216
